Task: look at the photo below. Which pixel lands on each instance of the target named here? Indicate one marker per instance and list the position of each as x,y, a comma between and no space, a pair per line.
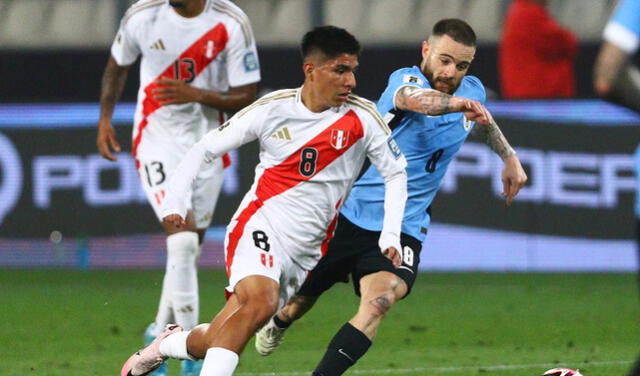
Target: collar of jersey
308,112
179,20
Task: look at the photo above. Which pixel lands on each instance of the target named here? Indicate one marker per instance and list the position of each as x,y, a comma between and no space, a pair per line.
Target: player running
431,109
285,221
199,61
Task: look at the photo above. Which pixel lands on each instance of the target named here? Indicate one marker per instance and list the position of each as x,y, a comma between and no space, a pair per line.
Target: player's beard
453,85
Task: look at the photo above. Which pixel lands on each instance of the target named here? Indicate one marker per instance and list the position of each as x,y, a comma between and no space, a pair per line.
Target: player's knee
260,308
182,249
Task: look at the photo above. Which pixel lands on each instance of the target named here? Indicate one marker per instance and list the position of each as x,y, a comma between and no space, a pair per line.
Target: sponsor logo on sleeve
393,146
408,78
250,61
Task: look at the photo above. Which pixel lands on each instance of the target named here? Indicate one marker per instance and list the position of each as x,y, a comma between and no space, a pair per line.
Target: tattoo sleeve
496,141
424,101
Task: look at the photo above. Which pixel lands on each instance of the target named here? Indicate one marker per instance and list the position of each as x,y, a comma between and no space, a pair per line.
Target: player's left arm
384,153
172,91
237,131
513,175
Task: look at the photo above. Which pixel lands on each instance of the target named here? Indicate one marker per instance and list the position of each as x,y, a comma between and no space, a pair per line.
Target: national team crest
339,138
467,124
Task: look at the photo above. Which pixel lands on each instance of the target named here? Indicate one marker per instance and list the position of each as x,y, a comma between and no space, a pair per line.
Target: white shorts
259,252
157,165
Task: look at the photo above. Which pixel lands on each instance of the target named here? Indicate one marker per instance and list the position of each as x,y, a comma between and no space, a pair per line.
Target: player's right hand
175,219
107,141
475,111
392,254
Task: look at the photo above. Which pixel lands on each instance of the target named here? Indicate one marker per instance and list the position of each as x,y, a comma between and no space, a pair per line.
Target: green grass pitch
61,322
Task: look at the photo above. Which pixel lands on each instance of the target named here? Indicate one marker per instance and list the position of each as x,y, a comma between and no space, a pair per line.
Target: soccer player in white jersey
198,61
431,110
285,221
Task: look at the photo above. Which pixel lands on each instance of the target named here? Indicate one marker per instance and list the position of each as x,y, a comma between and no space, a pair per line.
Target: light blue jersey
429,144
623,28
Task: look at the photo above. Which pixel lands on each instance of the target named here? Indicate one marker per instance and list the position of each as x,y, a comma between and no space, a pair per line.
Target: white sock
182,277
219,362
175,346
165,312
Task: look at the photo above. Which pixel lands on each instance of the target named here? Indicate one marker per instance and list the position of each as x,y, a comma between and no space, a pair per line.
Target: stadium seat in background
486,18
277,21
22,23
586,18
386,21
340,13
427,13
83,23
60,23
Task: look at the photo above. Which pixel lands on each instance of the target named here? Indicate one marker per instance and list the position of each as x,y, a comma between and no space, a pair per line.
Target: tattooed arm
496,140
513,175
434,102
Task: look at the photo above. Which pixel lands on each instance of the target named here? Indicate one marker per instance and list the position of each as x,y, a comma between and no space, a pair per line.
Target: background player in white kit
199,61
285,221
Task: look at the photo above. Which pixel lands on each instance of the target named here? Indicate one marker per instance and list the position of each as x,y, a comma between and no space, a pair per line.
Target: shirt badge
339,138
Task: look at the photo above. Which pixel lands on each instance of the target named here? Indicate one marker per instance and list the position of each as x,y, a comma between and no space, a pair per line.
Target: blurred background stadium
61,205
65,210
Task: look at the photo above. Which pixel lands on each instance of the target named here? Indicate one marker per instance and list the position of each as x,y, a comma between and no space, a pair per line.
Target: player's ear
425,49
308,67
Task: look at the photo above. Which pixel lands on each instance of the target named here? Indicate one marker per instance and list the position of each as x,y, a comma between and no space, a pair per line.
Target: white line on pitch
399,371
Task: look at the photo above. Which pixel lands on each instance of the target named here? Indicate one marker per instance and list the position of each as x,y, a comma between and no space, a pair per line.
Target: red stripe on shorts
197,52
278,179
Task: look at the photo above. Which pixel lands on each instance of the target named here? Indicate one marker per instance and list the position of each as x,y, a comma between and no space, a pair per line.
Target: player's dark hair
329,40
457,29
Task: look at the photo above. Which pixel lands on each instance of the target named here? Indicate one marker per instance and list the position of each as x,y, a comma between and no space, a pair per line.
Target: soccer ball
562,372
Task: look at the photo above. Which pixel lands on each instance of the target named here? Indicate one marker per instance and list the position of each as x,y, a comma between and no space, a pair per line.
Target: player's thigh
155,170
373,261
259,252
206,190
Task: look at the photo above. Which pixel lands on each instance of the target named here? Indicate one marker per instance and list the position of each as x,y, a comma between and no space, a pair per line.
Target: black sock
636,369
346,347
279,323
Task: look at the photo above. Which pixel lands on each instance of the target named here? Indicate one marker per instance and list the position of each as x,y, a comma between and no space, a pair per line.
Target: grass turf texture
60,322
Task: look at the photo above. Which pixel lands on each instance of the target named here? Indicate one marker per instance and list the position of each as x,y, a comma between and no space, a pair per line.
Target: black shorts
354,251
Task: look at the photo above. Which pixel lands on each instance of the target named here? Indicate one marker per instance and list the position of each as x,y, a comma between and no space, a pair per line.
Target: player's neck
312,101
191,9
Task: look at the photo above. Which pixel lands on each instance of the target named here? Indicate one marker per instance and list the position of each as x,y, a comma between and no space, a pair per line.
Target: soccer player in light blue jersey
431,110
617,79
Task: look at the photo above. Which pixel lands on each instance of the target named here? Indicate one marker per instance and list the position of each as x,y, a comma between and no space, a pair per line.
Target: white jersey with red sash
308,162
214,50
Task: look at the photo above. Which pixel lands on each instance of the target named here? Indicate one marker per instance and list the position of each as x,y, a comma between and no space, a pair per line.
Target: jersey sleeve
397,80
384,153
243,67
623,29
239,130
477,90
125,48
